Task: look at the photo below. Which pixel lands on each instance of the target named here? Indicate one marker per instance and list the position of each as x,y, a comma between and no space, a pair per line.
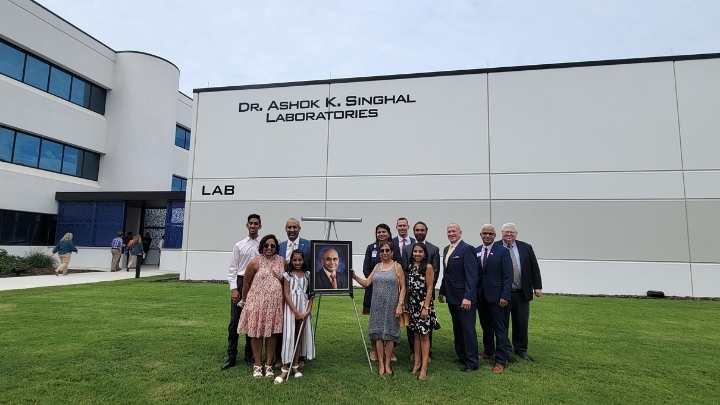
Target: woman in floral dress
420,306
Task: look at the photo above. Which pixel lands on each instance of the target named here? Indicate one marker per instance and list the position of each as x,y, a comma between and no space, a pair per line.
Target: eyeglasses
270,245
385,250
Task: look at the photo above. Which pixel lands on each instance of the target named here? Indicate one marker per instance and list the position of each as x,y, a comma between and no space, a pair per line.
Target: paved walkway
18,283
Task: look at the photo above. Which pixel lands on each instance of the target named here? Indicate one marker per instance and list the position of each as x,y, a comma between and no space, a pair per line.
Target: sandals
269,371
296,372
281,378
257,372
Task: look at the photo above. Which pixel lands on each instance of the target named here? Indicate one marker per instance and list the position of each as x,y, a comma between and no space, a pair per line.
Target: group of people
135,249
271,296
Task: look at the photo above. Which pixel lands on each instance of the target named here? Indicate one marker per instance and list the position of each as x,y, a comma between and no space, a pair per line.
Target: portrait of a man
330,266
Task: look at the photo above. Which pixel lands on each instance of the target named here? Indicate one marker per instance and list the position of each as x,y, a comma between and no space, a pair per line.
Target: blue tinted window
6,143
72,161
179,137
36,73
187,140
50,155
80,94
11,61
91,165
60,83
178,183
97,100
27,148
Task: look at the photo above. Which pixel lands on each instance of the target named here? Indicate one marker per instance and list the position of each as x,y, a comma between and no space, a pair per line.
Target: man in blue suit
402,241
496,274
459,287
292,229
526,282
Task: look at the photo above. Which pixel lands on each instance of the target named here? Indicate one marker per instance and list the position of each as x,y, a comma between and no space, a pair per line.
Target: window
36,73
60,83
182,137
7,139
50,155
92,223
42,153
178,183
97,99
80,93
91,165
27,228
27,148
12,61
72,161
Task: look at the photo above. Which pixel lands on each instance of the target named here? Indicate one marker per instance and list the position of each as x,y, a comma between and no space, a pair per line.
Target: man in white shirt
243,252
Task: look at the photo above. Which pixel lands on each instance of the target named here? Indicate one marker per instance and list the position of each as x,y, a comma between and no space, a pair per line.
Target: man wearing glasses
243,252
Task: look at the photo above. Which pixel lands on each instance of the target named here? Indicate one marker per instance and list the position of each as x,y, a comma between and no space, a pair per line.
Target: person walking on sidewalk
64,249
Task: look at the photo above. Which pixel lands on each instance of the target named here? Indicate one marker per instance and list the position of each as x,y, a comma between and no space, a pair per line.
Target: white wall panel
449,118
706,279
436,214
703,184
704,223
698,94
615,278
172,260
22,106
410,188
206,265
218,225
283,189
629,185
231,144
620,117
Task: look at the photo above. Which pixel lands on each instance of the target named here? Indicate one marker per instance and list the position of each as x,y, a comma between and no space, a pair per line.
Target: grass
141,341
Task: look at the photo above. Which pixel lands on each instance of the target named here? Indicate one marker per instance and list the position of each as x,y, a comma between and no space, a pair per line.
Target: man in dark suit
420,230
294,241
526,282
459,286
328,277
494,288
402,241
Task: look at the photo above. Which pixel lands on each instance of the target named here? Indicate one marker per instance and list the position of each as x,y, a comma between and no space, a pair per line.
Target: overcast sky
230,42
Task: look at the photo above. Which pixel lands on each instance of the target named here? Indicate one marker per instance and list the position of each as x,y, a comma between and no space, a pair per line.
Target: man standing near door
243,252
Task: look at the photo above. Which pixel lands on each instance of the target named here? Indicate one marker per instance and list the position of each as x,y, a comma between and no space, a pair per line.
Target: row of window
27,228
36,72
178,183
41,153
182,137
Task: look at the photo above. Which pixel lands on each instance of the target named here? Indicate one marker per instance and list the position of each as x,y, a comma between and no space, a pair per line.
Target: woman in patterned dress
420,306
262,314
298,307
388,281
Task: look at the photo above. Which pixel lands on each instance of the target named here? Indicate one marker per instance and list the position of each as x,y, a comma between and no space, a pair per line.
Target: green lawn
142,341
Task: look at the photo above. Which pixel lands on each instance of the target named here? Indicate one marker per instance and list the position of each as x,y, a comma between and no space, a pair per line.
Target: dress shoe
468,369
228,363
498,369
525,356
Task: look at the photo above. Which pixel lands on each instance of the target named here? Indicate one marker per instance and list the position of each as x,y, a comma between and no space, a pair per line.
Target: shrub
38,260
8,262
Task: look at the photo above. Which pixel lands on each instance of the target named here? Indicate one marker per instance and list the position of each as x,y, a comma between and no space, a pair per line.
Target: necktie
485,255
402,247
290,248
516,268
450,251
333,280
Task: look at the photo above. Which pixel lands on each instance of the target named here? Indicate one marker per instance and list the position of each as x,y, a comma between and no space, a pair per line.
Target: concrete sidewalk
19,283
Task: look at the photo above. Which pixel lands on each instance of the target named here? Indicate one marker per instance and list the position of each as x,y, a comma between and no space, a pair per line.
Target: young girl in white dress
298,307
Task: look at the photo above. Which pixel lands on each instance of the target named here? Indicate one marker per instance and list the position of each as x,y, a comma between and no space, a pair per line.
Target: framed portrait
331,266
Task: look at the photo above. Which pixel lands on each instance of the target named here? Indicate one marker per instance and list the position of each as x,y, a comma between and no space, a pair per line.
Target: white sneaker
269,371
257,372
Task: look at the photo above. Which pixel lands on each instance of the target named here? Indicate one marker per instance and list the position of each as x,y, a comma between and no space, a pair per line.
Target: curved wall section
141,111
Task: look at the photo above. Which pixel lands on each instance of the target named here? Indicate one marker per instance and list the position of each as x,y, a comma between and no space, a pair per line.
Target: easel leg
362,334
317,316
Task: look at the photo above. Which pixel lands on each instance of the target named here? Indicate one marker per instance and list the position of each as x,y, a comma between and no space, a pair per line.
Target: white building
96,125
610,168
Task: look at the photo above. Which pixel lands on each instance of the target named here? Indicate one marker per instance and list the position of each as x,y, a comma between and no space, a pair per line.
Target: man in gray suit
420,230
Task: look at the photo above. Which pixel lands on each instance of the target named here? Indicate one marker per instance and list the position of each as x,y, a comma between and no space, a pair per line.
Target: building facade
609,169
92,140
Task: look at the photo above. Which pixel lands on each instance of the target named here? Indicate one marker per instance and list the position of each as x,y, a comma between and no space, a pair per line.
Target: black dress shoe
525,356
228,363
468,369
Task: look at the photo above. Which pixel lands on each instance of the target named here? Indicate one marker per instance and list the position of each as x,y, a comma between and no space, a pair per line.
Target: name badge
478,254
374,253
